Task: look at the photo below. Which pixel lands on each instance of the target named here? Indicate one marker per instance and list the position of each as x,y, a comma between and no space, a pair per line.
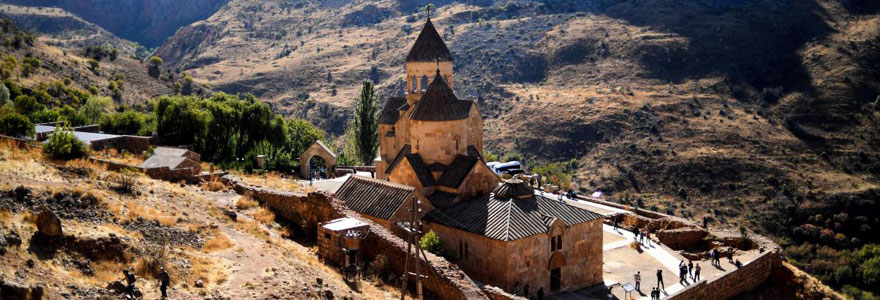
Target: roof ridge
382,182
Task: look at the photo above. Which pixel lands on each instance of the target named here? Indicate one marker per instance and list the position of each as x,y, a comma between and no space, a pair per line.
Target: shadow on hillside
750,42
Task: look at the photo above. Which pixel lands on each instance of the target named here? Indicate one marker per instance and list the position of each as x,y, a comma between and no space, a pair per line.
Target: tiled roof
513,188
422,171
400,155
158,161
169,151
472,151
440,104
442,199
508,219
457,171
390,112
429,46
373,197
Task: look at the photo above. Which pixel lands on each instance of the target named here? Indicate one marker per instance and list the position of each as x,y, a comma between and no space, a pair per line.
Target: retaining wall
744,279
445,280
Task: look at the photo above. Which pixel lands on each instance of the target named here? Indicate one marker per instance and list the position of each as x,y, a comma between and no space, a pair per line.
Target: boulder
199,283
13,239
49,224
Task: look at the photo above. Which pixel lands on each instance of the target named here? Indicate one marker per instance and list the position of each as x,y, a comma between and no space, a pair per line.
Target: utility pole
413,238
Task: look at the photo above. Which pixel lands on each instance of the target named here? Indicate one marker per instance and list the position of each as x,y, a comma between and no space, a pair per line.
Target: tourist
705,221
682,274
712,257
660,279
730,255
638,279
636,233
697,273
616,222
655,293
648,236
164,280
738,264
129,280
540,294
516,289
690,268
539,181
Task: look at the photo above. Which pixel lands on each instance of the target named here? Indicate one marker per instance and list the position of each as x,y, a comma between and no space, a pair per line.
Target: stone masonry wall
445,280
742,280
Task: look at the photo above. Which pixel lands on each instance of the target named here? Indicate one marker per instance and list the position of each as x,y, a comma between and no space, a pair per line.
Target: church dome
513,188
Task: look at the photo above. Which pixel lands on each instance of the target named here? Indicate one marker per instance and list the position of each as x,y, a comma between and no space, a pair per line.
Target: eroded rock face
49,224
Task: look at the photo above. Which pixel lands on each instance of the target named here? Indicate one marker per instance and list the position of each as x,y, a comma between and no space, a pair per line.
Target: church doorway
555,279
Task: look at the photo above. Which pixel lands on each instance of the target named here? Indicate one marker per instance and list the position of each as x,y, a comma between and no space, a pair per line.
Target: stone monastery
501,233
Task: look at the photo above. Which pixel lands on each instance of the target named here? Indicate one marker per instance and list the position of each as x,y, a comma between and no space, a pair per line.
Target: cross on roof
428,11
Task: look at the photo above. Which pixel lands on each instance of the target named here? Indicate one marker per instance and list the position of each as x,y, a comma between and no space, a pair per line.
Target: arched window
424,83
415,84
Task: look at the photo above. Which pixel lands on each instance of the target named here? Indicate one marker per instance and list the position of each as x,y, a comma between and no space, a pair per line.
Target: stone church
500,232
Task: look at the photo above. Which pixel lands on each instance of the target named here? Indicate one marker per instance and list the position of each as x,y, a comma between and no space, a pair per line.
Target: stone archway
320,150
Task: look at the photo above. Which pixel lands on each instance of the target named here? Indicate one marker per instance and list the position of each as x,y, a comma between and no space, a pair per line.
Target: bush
94,65
4,94
431,242
29,66
64,145
95,108
16,125
26,105
125,181
7,67
129,122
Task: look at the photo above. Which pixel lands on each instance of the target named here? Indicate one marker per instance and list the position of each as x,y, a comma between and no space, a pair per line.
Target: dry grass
29,218
213,185
252,228
264,215
107,271
245,202
271,180
205,269
218,243
123,157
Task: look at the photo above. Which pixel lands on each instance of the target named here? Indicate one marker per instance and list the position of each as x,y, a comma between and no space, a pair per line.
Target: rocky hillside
147,22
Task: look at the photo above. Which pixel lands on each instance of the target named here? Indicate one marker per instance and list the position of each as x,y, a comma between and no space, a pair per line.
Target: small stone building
339,241
172,164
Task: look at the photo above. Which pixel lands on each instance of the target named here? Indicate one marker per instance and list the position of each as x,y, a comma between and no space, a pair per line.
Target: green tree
4,94
431,242
364,128
180,120
64,145
72,117
128,122
27,105
7,67
16,125
95,107
155,62
871,272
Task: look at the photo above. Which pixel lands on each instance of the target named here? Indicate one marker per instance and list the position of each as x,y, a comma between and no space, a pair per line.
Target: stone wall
173,175
744,279
682,238
132,144
445,280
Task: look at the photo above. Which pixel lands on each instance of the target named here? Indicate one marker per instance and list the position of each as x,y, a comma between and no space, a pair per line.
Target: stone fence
444,279
738,281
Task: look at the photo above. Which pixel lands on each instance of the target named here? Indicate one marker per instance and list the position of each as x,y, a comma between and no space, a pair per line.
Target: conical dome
429,46
513,188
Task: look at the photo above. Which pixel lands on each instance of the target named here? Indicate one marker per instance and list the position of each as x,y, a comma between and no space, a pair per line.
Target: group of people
688,271
131,291
715,256
639,235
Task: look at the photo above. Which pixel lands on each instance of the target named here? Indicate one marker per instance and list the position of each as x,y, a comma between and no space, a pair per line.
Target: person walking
616,222
164,280
648,237
636,233
129,280
697,273
712,257
691,269
660,279
638,279
730,254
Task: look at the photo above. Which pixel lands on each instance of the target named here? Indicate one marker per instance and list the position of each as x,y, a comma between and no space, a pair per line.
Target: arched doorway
557,261
324,158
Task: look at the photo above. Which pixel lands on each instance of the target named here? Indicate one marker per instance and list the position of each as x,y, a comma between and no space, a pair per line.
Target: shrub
29,66
27,105
129,122
431,242
95,108
94,65
16,125
4,94
7,67
64,145
125,181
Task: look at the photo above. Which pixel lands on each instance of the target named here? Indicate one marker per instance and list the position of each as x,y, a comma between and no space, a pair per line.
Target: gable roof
440,104
442,199
429,46
373,197
323,147
400,156
159,161
457,171
390,113
421,170
169,151
509,219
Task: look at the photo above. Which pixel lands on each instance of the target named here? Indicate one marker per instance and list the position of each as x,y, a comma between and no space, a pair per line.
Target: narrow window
559,242
424,83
